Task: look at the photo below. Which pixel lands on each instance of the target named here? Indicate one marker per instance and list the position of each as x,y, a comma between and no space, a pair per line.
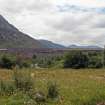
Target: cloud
80,28
18,6
75,8
84,3
62,21
71,22
99,22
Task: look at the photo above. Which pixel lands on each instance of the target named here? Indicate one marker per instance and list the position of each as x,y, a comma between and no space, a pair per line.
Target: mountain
49,44
84,47
11,37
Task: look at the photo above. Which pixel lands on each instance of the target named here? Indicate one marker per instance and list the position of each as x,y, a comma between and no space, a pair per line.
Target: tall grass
23,81
7,87
77,87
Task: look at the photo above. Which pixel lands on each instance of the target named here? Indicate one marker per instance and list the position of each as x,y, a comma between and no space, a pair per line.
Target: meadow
76,87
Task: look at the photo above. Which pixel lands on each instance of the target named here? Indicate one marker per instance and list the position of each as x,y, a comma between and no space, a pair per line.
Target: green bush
53,91
76,59
7,62
95,62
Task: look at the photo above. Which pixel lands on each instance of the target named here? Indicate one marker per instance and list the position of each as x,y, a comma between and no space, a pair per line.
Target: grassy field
76,87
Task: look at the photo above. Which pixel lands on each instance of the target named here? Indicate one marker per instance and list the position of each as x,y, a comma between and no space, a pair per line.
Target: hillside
50,44
11,37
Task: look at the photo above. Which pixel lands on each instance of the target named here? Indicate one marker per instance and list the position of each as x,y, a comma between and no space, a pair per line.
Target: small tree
76,60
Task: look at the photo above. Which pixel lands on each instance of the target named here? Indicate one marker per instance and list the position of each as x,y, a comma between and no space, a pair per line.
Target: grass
76,87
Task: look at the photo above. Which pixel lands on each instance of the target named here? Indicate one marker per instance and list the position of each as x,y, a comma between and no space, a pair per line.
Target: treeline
9,61
72,59
79,59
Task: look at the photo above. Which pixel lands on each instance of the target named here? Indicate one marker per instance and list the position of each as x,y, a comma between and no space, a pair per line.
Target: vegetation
7,62
27,81
52,90
76,60
76,87
22,81
73,59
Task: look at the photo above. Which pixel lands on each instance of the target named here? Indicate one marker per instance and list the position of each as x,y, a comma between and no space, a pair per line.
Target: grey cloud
67,24
35,18
71,22
99,40
18,6
78,28
11,6
100,24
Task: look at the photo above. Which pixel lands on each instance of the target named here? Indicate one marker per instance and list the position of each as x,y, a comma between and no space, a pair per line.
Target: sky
67,22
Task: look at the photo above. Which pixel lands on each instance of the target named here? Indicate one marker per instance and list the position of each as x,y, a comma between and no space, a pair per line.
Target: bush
52,90
7,62
76,60
21,63
95,62
23,81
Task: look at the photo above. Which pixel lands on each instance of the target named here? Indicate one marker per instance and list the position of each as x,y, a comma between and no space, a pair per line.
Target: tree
76,59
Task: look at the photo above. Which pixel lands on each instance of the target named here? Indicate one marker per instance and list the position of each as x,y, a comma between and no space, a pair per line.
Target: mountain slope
11,37
49,44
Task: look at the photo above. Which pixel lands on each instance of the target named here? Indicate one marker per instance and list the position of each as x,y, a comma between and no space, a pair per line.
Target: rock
40,97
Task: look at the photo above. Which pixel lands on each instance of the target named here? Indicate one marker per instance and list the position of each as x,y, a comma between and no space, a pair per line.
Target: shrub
52,90
22,63
23,81
7,62
76,60
25,64
95,62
